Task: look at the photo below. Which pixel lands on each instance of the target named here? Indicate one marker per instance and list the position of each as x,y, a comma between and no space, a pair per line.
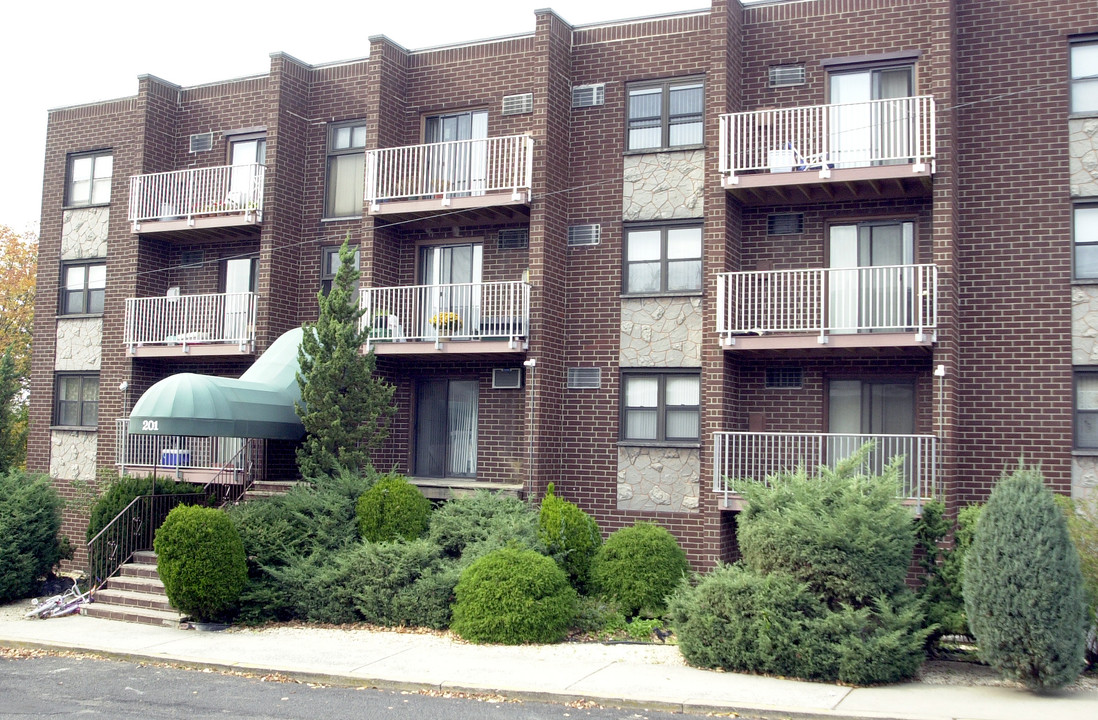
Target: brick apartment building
630,258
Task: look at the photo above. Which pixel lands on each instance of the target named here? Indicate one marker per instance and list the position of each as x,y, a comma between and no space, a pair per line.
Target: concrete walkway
647,676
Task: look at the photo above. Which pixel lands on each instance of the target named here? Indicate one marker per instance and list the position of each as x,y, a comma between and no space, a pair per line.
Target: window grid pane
641,392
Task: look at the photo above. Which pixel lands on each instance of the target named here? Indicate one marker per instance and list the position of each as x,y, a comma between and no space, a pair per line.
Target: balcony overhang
184,349
197,228
884,343
834,185
489,208
447,347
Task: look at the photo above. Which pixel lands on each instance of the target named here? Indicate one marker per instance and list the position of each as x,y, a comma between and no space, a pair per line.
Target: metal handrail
197,192
182,320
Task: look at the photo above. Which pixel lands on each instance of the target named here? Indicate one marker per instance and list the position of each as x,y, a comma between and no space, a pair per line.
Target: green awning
260,404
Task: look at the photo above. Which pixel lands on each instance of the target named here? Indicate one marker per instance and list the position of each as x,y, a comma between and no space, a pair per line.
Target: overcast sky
61,52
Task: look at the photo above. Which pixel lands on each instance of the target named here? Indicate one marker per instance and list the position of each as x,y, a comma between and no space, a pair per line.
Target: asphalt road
71,686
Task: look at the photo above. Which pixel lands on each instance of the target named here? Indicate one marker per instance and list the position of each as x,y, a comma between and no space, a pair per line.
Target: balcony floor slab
835,342
196,349
453,347
864,183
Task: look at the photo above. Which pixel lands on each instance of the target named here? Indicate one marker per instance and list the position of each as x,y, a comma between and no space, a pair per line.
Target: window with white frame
89,179
665,114
1084,76
329,265
346,170
1084,232
77,400
1086,408
661,406
83,286
663,259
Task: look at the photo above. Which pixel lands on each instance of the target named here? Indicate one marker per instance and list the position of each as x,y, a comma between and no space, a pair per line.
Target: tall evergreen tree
344,406
13,416
1022,585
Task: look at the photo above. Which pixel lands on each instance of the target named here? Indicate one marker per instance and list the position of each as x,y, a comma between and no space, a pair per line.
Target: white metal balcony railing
885,298
177,454
459,311
458,168
187,194
822,137
217,318
756,456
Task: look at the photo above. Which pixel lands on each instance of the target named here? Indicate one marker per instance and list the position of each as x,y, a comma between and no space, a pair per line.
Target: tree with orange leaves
18,269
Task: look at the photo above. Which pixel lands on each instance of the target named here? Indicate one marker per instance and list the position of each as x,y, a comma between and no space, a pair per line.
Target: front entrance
446,428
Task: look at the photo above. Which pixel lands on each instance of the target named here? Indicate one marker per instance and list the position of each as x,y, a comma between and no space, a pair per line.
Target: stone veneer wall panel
79,344
658,479
72,455
1084,477
84,233
663,186
1083,156
661,332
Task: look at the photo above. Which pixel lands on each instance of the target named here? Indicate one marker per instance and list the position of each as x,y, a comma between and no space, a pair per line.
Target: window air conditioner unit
518,104
513,238
786,75
581,235
506,378
584,378
588,95
202,142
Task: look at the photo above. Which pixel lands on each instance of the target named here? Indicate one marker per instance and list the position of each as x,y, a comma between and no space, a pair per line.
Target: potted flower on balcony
447,324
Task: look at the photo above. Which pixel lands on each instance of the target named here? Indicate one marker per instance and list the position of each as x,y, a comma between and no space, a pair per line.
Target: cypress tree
1022,585
344,406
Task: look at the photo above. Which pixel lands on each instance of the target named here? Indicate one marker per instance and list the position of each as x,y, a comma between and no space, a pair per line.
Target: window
1086,408
661,406
82,288
665,114
784,378
1085,234
329,265
1084,77
89,181
663,259
77,403
346,170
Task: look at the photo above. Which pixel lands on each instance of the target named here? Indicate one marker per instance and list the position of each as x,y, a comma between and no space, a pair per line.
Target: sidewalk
648,676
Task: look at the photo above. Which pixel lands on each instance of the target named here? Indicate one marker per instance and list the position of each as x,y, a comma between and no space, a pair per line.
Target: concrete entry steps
135,594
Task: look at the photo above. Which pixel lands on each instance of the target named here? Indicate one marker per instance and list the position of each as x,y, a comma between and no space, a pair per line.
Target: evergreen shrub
942,590
393,508
123,490
842,532
1082,522
638,567
1023,589
395,584
743,621
200,560
30,520
570,535
513,596
468,527
288,538
883,642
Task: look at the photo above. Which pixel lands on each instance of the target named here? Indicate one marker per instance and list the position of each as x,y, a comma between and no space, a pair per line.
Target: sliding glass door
446,428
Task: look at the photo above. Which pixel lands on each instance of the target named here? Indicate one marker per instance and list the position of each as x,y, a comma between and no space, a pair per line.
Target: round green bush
393,508
843,532
638,567
513,596
471,526
123,490
30,519
1023,588
739,620
200,559
571,536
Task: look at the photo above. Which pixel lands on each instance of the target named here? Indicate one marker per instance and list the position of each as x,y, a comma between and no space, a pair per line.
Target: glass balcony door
865,300
239,276
862,130
862,410
460,168
446,428
452,309
243,178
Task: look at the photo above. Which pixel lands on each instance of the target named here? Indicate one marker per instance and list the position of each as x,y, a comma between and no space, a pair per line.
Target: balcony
887,306
492,317
190,325
228,196
828,153
756,456
189,459
492,176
